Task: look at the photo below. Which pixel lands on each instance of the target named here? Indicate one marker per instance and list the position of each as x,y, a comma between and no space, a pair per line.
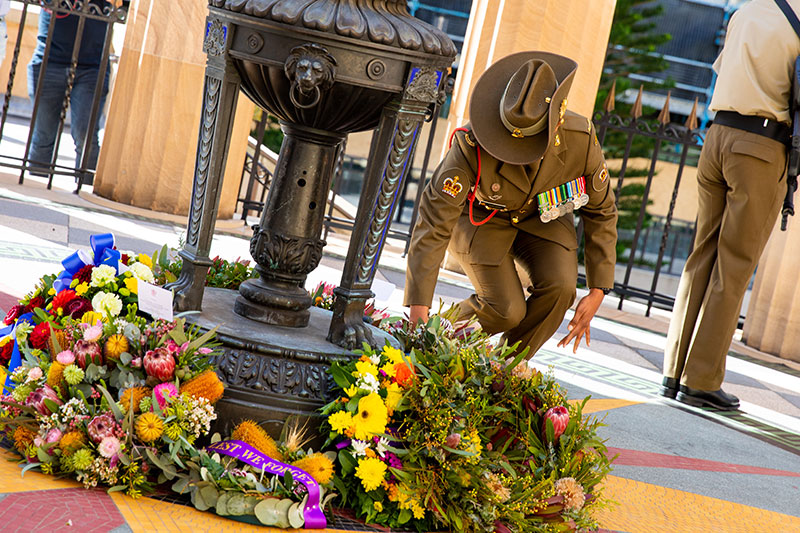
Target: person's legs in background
81,101
48,113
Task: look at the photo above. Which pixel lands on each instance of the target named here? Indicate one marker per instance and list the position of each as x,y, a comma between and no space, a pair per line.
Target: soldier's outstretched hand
584,312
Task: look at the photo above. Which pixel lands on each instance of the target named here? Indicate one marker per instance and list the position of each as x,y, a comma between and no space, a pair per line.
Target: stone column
148,154
577,29
773,315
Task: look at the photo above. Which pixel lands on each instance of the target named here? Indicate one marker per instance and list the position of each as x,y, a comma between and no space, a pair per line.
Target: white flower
375,359
360,447
381,446
103,274
107,303
368,382
142,272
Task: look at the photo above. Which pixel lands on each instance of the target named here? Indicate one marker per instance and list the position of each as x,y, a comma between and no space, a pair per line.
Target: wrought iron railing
85,17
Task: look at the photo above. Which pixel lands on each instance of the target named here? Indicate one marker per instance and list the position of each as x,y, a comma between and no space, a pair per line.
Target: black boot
669,387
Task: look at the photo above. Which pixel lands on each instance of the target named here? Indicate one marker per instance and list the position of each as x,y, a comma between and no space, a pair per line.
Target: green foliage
273,136
629,205
222,273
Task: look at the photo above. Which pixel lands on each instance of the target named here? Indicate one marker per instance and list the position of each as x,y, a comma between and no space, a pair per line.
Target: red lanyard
471,194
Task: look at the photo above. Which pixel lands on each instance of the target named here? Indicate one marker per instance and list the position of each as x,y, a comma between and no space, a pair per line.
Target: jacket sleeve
442,203
599,219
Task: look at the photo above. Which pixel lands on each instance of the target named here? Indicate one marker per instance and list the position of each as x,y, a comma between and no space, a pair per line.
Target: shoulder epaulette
576,122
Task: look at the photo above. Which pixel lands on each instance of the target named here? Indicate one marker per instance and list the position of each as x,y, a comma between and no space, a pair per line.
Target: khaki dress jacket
444,209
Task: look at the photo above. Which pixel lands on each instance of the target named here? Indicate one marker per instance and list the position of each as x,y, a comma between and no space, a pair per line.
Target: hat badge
517,133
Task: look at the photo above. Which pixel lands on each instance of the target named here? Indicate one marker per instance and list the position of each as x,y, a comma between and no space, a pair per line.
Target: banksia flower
205,385
71,442
61,338
115,346
254,435
133,395
149,427
55,376
23,437
572,491
318,465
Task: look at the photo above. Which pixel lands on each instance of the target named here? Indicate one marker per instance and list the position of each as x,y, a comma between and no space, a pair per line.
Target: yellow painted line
148,515
646,508
11,479
593,406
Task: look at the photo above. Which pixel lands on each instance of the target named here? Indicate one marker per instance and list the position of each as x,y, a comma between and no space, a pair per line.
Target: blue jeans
48,115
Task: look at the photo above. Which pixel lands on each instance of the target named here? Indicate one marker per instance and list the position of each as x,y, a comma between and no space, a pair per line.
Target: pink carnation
66,357
109,447
164,391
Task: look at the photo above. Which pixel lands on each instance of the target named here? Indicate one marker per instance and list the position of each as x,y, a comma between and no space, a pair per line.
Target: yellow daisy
370,471
371,418
340,421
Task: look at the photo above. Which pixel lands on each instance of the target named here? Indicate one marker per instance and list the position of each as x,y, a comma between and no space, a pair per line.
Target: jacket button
495,187
514,220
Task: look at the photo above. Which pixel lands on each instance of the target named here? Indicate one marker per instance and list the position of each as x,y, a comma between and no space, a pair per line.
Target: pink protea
164,391
87,352
102,426
560,418
160,364
36,399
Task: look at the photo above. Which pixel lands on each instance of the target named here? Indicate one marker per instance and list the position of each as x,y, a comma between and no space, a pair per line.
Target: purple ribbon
314,518
104,254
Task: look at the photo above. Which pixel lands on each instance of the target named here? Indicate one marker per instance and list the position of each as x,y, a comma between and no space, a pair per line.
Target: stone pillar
577,29
773,315
148,154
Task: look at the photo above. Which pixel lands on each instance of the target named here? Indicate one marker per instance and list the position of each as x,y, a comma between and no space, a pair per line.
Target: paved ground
678,469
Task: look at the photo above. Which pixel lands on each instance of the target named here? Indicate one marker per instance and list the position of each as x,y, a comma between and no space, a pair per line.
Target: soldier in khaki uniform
741,183
505,191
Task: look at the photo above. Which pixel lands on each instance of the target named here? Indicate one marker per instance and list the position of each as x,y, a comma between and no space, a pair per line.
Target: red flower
160,364
36,399
84,275
40,336
36,301
14,313
5,353
77,307
87,352
404,374
62,299
559,416
124,258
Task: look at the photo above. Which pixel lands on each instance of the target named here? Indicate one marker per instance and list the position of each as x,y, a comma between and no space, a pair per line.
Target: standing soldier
505,191
740,180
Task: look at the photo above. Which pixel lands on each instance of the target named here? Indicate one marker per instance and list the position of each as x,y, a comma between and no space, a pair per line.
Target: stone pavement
677,468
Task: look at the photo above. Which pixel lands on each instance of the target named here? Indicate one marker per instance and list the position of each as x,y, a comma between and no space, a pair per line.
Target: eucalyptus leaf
266,511
295,516
125,358
111,403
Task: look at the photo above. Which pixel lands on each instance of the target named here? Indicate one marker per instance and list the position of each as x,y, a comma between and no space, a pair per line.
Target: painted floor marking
661,460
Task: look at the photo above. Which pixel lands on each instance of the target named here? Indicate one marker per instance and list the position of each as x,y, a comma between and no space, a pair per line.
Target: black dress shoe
669,387
719,399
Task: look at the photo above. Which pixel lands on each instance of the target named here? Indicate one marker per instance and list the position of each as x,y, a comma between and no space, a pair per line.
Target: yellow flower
205,385
51,292
318,465
419,512
91,317
55,374
254,435
132,284
393,396
71,442
371,472
134,396
149,427
340,421
378,506
351,391
394,355
366,367
115,345
23,437
371,418
82,288
144,258
390,369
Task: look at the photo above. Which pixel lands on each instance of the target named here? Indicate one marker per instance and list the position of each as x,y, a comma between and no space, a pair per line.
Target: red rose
78,307
559,416
36,301
5,353
14,313
40,336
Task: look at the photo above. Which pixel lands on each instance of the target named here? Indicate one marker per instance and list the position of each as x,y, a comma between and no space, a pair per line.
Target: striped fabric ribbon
562,199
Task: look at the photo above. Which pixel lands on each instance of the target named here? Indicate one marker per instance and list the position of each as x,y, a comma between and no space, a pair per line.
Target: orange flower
404,374
205,385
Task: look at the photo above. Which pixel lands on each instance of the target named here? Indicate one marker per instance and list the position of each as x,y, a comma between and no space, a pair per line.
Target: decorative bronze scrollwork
311,69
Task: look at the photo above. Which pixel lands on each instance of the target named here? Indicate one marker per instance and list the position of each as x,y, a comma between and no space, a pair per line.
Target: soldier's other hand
417,313
584,312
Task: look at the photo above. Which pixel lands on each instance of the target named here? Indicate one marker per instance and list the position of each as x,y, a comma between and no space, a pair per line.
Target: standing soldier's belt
563,199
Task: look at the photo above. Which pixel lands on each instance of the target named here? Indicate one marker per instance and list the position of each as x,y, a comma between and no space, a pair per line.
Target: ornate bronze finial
663,117
691,121
636,110
311,69
608,105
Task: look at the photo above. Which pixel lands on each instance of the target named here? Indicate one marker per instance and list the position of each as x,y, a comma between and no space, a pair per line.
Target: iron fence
656,245
69,70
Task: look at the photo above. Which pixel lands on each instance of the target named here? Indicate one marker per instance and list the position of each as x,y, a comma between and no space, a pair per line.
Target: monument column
147,158
577,29
773,315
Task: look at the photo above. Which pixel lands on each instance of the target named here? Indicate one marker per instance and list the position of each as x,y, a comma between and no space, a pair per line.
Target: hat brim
484,108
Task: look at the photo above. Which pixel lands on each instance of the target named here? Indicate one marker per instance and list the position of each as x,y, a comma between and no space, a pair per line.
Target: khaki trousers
499,301
740,191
